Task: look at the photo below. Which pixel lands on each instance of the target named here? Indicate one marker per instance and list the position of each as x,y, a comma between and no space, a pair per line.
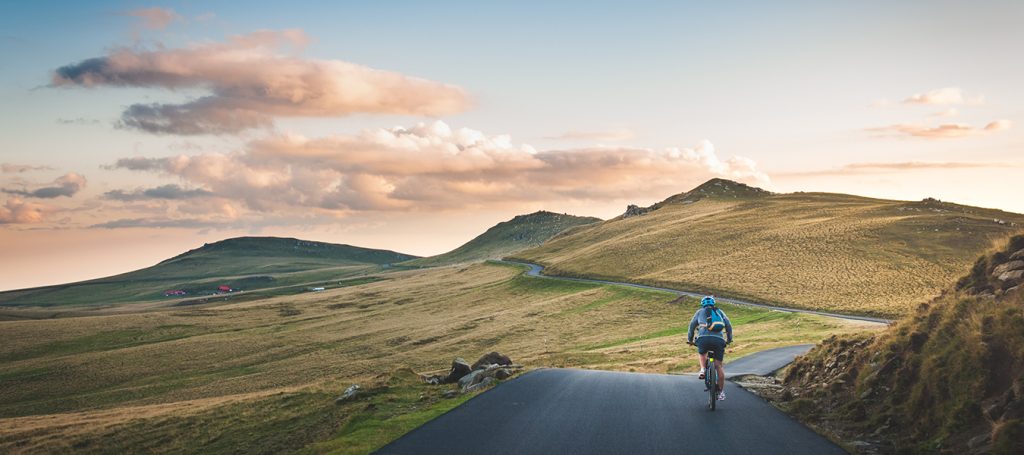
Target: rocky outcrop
1007,267
488,375
491,358
459,369
996,273
489,369
635,210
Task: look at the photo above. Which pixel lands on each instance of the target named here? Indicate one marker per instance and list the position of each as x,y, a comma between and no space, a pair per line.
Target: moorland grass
507,237
830,252
203,377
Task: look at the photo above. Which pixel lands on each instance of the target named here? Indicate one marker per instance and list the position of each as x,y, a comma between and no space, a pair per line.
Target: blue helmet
707,301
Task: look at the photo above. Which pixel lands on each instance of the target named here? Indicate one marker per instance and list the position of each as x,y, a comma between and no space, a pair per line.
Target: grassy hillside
810,250
948,378
245,263
507,237
261,377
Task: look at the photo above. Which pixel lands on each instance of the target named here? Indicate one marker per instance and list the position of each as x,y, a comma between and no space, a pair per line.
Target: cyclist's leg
720,363
721,375
702,354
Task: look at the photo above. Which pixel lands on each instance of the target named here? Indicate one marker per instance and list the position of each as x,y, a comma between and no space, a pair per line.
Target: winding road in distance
536,270
570,411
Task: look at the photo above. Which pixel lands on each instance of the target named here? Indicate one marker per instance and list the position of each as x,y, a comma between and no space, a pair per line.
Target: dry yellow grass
820,251
122,379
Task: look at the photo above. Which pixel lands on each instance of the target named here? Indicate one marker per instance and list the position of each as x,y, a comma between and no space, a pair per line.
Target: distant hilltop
508,237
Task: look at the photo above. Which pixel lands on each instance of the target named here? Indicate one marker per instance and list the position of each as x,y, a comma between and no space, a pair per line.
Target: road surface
765,362
569,411
536,271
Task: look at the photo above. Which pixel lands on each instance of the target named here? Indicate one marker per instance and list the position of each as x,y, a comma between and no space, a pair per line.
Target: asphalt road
567,411
536,271
765,362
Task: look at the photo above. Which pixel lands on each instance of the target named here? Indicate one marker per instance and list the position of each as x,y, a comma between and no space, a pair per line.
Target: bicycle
710,381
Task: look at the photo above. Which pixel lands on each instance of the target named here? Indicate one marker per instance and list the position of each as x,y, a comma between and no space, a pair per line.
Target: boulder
1003,268
470,379
1013,275
480,385
459,369
634,210
491,358
1018,255
979,441
350,393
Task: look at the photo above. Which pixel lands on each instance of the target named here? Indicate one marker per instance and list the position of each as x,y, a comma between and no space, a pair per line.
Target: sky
135,131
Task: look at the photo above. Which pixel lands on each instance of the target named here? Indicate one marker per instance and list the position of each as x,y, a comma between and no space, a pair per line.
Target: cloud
999,125
434,167
66,185
155,18
170,192
251,82
613,135
900,166
943,96
188,223
9,168
137,164
17,211
951,112
942,131
908,165
78,121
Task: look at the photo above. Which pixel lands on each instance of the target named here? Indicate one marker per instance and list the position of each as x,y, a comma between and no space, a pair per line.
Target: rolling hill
508,237
245,263
827,251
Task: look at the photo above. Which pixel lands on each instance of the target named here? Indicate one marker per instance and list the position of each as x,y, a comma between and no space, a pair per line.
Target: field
810,250
261,376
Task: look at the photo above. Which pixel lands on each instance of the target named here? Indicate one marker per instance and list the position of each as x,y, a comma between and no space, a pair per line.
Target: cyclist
710,341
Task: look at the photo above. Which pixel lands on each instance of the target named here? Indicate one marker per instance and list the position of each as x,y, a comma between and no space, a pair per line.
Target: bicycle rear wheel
711,378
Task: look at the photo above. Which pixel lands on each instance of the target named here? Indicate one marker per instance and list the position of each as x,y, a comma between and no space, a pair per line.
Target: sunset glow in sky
133,131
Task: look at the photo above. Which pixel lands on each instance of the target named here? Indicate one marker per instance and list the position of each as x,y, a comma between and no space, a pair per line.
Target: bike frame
711,382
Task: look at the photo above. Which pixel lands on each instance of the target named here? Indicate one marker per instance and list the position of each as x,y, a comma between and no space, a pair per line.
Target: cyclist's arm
693,324
728,328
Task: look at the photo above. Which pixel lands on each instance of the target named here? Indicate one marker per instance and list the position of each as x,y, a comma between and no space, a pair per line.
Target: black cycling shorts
714,345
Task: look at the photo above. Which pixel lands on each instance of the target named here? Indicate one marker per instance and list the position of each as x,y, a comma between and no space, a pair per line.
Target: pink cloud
612,135
10,168
155,18
251,82
898,166
999,125
17,211
434,167
946,95
942,131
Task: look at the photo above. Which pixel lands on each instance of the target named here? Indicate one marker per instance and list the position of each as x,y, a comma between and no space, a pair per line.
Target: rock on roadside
491,358
350,393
